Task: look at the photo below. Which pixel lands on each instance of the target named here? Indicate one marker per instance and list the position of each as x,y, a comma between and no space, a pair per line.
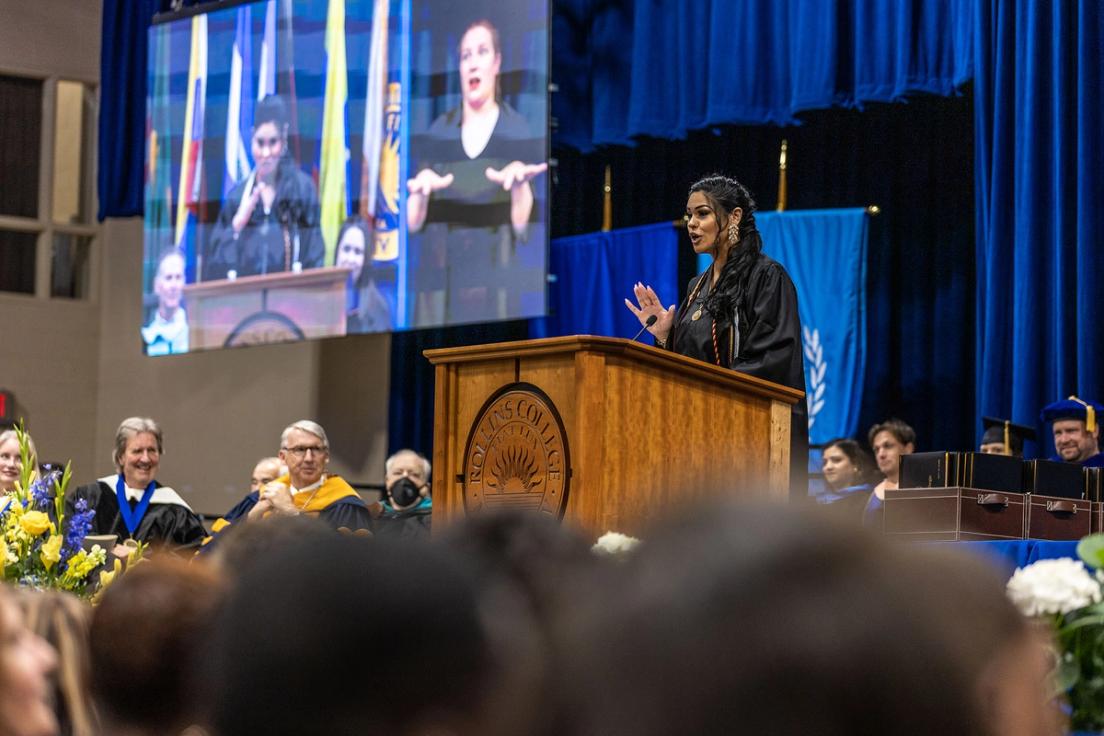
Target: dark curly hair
725,195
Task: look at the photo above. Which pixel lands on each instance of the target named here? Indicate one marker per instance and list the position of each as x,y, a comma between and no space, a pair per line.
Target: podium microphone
651,321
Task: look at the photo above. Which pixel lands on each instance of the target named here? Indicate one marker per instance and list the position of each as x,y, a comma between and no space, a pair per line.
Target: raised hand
427,182
514,173
649,305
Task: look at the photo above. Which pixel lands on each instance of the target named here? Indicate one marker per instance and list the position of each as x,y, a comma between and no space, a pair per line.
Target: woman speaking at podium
741,312
270,220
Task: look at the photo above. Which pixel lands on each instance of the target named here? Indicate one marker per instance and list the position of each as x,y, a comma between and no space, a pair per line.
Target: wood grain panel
647,429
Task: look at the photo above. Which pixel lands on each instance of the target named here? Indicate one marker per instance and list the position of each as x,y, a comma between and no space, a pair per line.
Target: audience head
527,567
1076,428
243,545
266,470
406,479
890,440
846,463
168,283
354,246
532,553
766,620
26,661
145,638
305,450
379,652
138,449
11,462
62,620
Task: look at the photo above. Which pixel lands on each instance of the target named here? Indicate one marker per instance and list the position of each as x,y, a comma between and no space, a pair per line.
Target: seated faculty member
131,503
889,440
1076,431
307,488
1004,437
407,505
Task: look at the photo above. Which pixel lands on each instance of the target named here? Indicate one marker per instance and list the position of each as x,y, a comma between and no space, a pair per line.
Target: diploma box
1050,478
954,514
1057,518
962,469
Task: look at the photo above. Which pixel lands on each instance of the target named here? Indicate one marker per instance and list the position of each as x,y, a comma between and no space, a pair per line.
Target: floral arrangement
41,547
613,544
1066,594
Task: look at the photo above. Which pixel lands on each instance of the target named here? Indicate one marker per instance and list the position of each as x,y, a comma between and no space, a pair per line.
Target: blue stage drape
595,272
695,63
123,69
1039,183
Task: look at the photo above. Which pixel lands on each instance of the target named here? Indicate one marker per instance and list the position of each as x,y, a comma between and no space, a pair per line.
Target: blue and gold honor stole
133,518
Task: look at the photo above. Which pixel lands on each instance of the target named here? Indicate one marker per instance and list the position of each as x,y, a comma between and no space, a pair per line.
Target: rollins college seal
517,455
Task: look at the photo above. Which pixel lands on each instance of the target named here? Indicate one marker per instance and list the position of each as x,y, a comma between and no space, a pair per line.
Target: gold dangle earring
733,233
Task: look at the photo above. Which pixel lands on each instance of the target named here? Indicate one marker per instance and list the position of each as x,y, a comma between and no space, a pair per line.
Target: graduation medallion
696,315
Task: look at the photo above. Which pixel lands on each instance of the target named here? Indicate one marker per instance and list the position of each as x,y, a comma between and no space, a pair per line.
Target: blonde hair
63,620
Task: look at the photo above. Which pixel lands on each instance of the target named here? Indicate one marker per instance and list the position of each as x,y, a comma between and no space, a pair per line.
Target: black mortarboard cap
1007,432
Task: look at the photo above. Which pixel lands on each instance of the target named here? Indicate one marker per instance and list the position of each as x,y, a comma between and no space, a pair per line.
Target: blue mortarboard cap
1073,408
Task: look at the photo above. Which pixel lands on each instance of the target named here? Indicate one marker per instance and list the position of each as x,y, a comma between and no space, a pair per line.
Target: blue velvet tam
1073,408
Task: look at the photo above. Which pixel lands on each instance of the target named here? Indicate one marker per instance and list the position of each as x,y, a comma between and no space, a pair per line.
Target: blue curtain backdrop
825,253
1039,180
122,143
662,68
595,272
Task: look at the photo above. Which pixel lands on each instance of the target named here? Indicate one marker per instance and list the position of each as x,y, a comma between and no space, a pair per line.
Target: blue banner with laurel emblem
824,251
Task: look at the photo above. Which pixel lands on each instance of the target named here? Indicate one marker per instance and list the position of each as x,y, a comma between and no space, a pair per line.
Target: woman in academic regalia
741,312
131,504
848,469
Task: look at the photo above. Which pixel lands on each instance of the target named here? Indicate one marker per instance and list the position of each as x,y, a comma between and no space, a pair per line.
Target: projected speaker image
477,186
329,167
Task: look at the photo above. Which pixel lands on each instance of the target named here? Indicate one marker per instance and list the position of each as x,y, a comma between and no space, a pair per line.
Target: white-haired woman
130,503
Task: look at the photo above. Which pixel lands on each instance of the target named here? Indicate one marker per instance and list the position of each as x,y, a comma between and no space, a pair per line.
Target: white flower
1053,586
612,543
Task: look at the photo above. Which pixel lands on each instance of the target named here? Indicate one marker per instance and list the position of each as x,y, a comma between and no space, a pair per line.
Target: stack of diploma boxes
950,496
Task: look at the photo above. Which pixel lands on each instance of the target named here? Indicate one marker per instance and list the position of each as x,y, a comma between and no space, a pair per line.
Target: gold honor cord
782,178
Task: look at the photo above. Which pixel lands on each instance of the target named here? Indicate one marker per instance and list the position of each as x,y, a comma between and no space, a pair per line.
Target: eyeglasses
302,450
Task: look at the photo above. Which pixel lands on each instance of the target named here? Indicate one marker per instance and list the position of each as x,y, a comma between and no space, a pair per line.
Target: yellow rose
51,551
35,523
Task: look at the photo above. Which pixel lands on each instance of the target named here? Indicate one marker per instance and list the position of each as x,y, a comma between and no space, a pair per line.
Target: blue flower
77,526
41,491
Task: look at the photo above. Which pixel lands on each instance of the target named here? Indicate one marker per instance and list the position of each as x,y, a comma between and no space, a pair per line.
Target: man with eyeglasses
307,488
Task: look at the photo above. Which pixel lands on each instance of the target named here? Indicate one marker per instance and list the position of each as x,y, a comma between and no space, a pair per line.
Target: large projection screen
330,167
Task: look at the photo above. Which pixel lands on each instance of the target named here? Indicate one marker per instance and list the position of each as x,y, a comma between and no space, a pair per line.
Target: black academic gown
765,342
170,524
347,513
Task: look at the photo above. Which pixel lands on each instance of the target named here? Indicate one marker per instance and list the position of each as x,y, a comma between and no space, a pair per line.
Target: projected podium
606,432
275,307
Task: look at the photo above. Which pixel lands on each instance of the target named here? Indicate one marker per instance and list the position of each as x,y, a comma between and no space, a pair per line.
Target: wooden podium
274,307
605,432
